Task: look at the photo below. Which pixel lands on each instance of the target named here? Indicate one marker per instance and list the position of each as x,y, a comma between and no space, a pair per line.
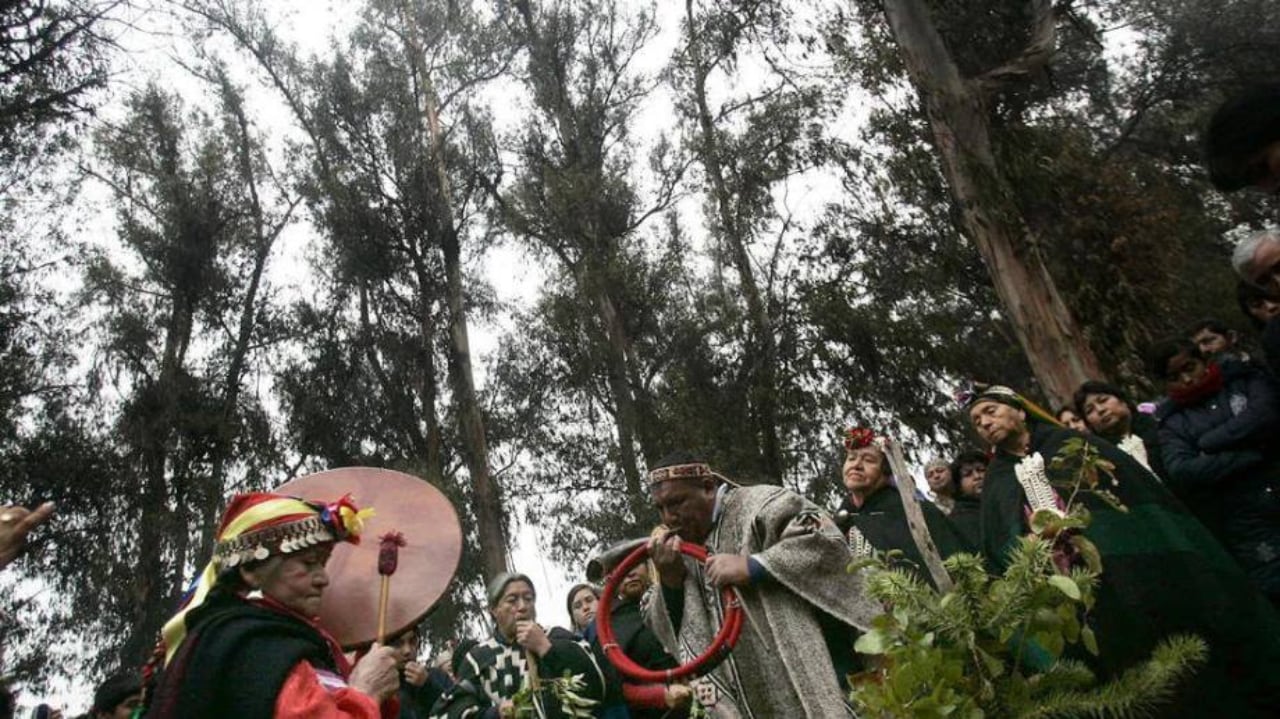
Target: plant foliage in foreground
997,646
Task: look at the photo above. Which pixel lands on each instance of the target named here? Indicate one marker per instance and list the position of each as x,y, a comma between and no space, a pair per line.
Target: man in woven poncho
789,562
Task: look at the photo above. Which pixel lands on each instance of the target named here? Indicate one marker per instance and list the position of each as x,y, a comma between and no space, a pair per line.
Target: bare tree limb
1033,57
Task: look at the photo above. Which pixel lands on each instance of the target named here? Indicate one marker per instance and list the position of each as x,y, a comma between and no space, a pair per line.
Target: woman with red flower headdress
872,515
246,642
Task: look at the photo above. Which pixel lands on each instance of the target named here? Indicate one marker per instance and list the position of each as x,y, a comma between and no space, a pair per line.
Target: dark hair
969,456
118,687
671,459
1213,324
1159,355
411,629
1057,414
1094,386
1247,292
1241,128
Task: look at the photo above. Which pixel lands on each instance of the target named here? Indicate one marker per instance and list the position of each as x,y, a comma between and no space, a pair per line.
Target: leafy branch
996,645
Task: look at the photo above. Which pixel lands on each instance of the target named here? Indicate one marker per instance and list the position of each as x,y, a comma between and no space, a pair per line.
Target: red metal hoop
720,647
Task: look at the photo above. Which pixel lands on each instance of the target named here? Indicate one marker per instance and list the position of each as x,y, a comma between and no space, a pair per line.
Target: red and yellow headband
258,525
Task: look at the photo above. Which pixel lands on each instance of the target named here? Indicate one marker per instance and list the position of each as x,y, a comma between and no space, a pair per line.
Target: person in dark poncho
638,641
872,515
420,686
969,474
1112,416
246,643
1162,572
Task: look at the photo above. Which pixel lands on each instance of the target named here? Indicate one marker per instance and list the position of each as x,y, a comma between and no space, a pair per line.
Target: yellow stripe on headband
263,512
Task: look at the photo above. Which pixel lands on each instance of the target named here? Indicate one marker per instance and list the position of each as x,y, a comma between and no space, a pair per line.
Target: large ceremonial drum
428,560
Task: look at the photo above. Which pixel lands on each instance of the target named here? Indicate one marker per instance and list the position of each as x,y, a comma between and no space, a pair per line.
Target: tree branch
1033,57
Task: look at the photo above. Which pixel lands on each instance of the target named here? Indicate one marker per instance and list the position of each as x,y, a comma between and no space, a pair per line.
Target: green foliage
565,691
1008,645
1001,646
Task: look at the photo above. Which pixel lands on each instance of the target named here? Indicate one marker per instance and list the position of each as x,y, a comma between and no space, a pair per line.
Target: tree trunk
157,583
1056,348
490,522
620,388
762,350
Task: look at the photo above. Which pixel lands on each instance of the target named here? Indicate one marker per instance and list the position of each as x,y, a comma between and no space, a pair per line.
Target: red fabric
242,503
1209,385
645,696
304,697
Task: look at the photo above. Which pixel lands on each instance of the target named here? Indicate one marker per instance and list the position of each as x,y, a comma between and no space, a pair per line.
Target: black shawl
883,522
1162,573
234,660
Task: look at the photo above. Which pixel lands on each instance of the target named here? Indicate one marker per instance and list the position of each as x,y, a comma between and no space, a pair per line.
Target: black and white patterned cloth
493,671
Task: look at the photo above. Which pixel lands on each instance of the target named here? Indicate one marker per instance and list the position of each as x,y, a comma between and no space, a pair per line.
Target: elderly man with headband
1162,572
788,560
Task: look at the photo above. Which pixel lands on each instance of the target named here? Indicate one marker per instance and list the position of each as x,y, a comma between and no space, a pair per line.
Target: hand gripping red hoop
720,647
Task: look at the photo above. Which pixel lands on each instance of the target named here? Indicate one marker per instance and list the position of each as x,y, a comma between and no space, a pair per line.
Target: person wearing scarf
246,642
872,515
1218,431
1162,572
638,641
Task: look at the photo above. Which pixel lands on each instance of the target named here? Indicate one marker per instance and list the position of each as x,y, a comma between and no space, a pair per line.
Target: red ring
709,659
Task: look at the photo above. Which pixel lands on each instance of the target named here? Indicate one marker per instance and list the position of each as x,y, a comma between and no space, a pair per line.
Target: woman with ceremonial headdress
246,642
872,515
1162,572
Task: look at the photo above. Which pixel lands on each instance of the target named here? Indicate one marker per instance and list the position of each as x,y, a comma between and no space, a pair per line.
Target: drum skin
428,561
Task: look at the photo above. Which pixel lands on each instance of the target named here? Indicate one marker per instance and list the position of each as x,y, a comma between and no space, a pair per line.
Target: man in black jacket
1217,435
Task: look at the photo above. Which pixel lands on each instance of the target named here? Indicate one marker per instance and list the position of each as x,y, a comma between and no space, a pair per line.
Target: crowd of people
1188,534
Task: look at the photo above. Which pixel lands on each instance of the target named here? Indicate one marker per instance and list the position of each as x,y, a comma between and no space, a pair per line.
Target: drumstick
388,558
